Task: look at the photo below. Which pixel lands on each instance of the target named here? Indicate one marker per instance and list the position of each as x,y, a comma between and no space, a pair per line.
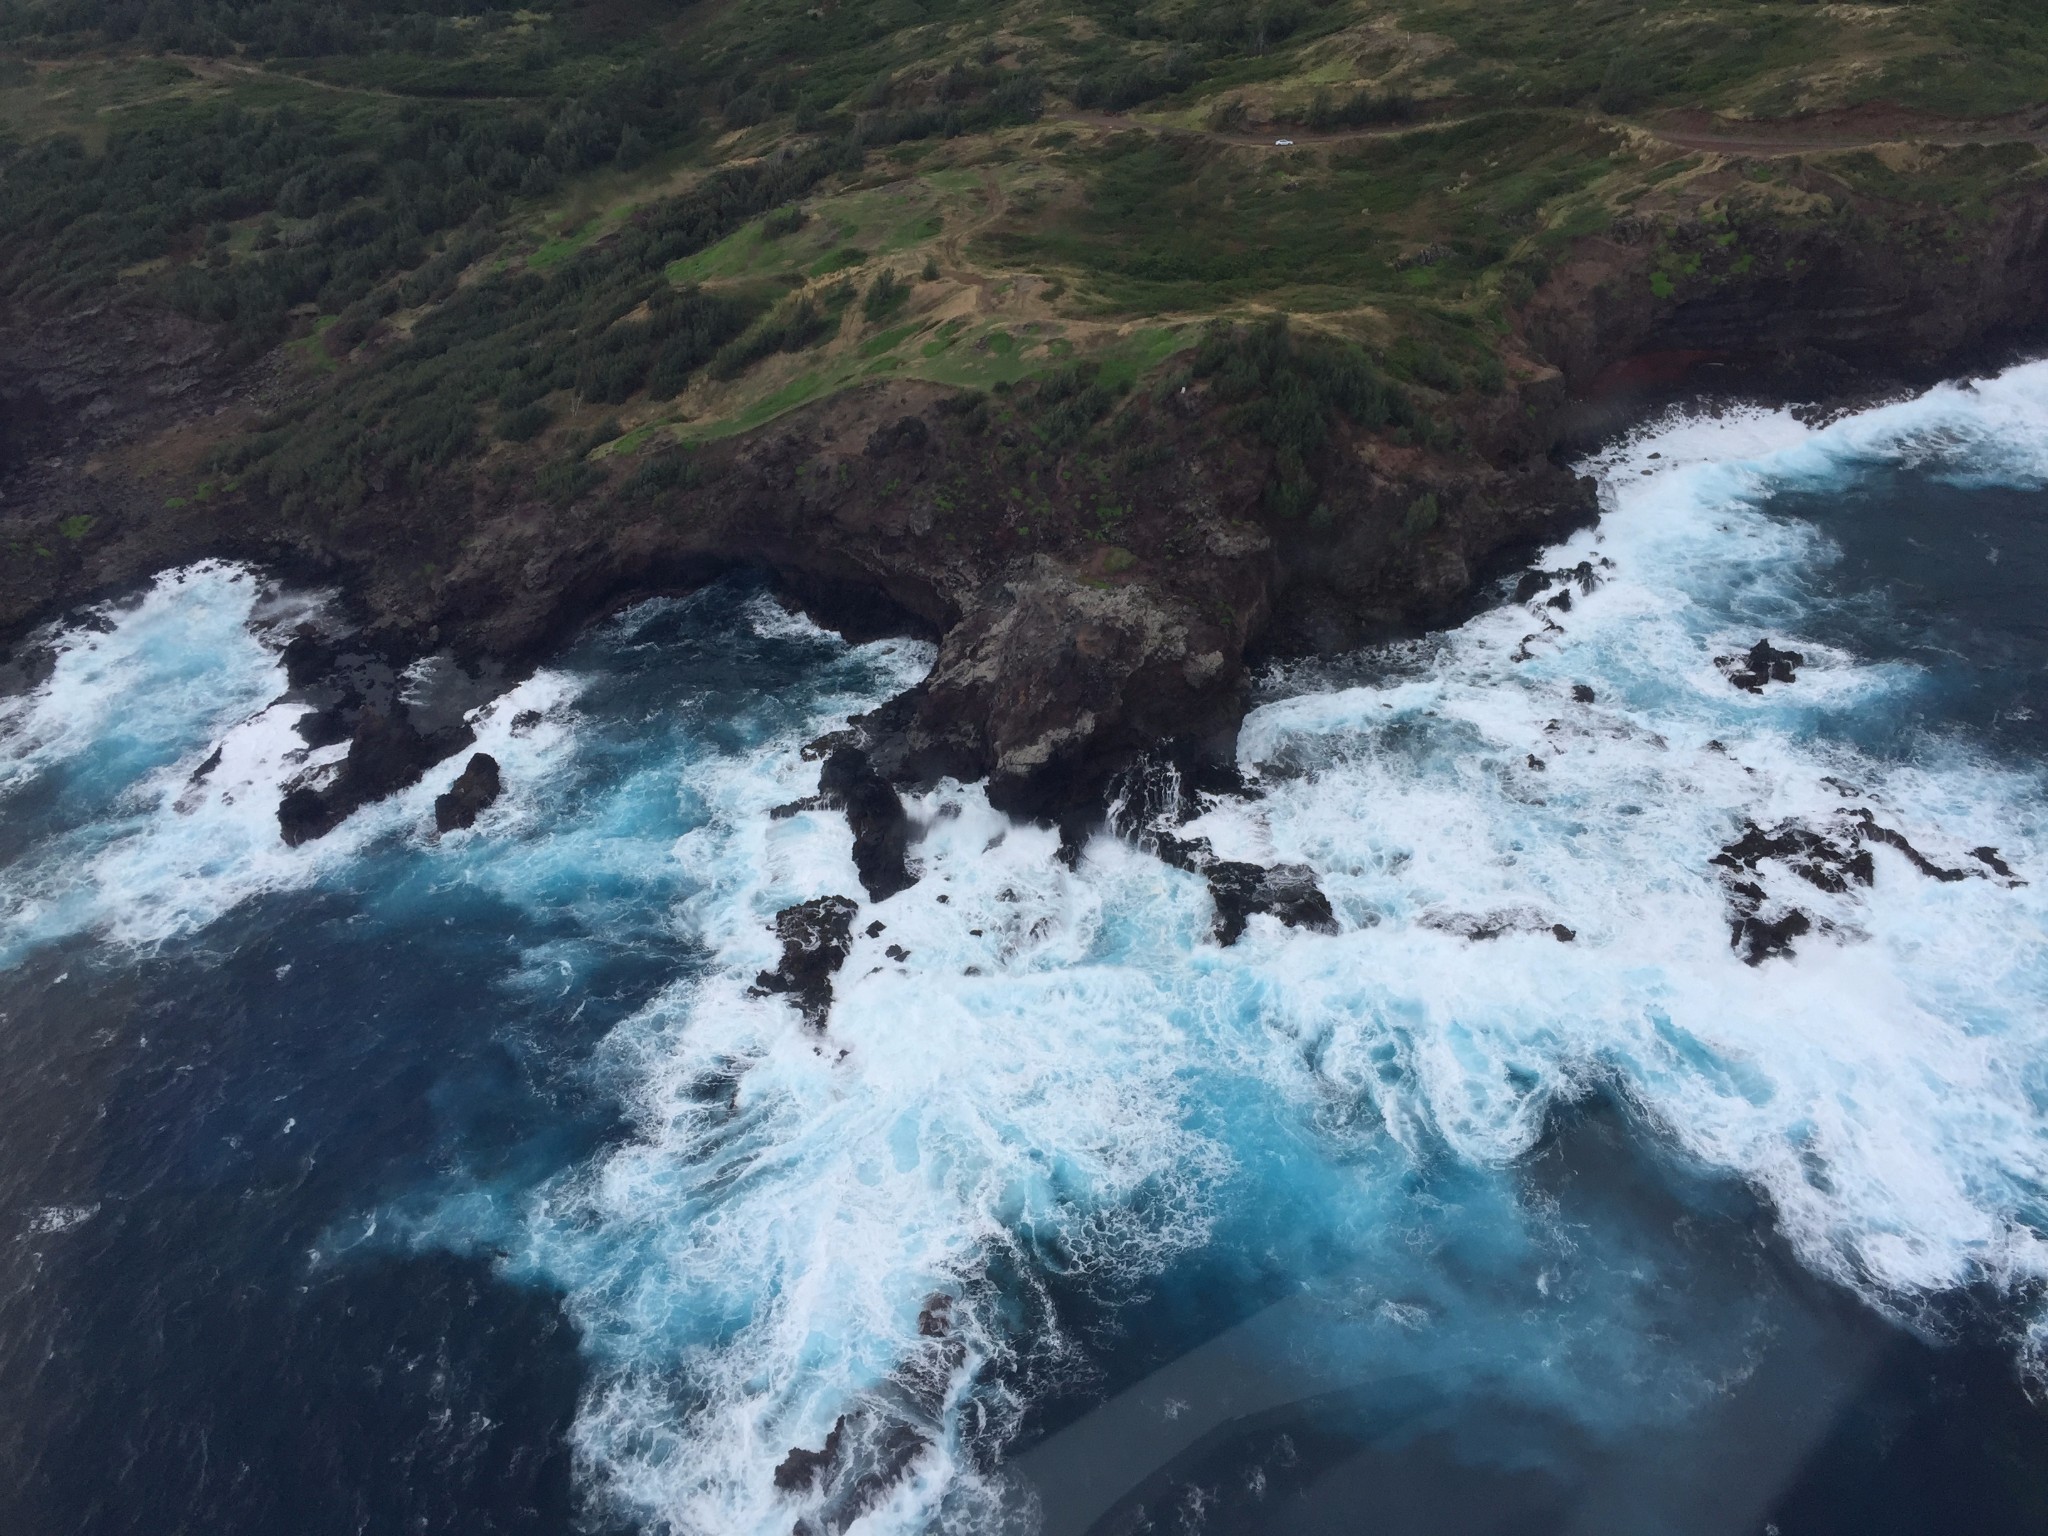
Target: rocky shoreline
1088,616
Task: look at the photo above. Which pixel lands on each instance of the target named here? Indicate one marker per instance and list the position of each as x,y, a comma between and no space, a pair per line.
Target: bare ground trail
1699,132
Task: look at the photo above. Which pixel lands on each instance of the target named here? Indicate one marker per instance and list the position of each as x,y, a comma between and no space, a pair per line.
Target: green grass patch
559,249
837,261
311,351
889,340
1189,225
804,387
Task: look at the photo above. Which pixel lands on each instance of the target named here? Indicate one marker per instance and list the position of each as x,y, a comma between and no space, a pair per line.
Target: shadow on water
1835,1419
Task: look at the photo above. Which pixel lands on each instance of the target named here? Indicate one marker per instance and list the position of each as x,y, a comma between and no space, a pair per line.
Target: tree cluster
1284,386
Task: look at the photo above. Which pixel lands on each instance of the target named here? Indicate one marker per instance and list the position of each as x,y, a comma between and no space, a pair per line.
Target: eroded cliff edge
1093,595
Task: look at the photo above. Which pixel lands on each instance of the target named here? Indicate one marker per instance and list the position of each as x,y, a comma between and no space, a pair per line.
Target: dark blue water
182,1130
458,1184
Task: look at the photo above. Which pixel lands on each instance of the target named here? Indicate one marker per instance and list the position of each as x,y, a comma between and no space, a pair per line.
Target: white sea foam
1065,1085
163,737
1067,1077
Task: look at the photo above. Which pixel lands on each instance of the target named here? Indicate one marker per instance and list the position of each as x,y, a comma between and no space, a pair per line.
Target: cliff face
1085,612
1813,303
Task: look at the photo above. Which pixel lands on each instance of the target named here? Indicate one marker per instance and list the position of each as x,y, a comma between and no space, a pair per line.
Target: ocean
1659,1145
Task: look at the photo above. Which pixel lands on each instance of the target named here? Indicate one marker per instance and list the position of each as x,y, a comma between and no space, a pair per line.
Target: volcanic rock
874,811
473,793
385,754
863,1457
1287,891
800,1469
816,936
1758,939
1828,863
1762,663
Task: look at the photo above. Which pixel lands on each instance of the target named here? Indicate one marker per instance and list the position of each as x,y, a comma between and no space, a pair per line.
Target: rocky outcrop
816,936
1286,891
354,694
386,753
874,812
864,1456
1824,862
1240,890
1834,858
1052,684
474,791
1088,602
1762,663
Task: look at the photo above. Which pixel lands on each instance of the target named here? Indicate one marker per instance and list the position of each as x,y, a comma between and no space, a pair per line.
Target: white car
1283,143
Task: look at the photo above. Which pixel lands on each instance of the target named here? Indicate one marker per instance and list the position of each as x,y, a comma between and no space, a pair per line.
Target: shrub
1283,387
525,423
884,297
792,327
1360,109
667,472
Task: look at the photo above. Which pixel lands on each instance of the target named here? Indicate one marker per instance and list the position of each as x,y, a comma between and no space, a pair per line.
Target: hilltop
1113,343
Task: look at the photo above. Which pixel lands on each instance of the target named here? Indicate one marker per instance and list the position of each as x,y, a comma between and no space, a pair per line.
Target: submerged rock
1482,926
473,793
816,936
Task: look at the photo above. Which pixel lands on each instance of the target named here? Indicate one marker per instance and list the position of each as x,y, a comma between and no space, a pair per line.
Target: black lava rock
1762,663
874,811
816,936
1287,891
386,753
473,793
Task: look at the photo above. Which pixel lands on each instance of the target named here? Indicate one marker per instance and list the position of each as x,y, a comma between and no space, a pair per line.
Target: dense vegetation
493,241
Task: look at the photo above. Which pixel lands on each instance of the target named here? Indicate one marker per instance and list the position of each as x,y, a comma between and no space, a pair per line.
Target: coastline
1088,614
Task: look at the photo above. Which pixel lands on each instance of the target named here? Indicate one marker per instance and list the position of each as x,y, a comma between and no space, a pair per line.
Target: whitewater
1065,1190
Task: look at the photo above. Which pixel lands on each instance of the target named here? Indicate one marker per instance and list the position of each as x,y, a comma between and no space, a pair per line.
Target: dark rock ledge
873,1446
816,936
1835,858
473,793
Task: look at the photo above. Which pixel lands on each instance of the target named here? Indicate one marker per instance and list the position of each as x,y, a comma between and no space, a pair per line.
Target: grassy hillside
538,247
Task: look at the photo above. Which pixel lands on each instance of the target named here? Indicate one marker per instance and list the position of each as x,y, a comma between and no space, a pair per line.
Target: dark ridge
874,812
